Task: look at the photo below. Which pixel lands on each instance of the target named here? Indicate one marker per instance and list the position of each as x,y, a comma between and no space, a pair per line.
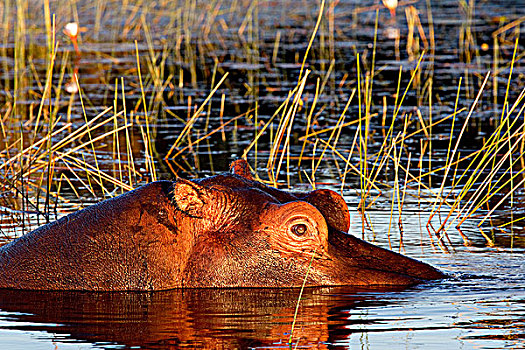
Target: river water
184,48
480,306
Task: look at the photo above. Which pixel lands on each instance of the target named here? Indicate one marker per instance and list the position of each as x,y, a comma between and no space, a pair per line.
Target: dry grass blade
193,119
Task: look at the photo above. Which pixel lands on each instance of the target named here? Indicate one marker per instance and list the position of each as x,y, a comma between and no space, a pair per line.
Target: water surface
481,305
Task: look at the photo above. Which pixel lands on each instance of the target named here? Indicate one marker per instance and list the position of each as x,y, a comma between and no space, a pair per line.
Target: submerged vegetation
387,110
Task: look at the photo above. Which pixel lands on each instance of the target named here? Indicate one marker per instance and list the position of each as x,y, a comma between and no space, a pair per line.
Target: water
481,305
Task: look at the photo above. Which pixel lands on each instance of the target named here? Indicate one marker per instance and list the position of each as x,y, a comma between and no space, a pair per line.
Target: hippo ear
332,206
240,167
189,197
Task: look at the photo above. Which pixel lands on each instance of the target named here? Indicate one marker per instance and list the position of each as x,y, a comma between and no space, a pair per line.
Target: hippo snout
361,263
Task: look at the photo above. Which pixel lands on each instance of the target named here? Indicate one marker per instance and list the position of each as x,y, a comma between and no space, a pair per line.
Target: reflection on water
480,305
205,318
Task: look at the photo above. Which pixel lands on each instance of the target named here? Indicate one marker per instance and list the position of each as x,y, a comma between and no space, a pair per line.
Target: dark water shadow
199,318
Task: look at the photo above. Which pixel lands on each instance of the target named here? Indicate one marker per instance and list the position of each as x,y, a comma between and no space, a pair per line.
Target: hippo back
123,243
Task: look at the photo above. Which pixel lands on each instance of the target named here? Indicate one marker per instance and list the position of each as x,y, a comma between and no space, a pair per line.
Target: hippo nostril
299,229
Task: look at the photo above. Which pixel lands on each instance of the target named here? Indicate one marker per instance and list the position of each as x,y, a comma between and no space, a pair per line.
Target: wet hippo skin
222,231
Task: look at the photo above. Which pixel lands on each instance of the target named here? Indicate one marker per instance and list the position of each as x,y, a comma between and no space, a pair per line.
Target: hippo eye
299,229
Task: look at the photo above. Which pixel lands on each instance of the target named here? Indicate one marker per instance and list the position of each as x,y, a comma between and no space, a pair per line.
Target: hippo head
247,234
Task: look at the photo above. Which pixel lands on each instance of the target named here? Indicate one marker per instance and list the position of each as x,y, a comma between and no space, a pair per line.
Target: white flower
71,29
71,87
390,4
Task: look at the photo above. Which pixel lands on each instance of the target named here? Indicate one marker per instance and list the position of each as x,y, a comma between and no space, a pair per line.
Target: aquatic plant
98,119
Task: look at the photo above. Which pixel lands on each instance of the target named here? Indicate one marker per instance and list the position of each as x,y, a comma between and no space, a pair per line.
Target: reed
328,119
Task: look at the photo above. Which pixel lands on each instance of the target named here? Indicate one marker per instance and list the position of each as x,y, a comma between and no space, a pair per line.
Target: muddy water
481,304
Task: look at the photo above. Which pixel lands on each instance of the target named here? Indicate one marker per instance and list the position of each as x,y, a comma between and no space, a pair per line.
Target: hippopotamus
223,231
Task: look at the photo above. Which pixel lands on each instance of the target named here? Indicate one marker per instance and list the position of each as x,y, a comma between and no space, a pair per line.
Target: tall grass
55,142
